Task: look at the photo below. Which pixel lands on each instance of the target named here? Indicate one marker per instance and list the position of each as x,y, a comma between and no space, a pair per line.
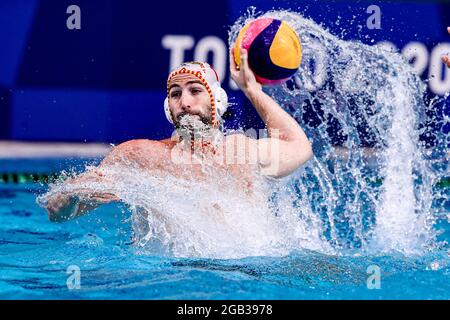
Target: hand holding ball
274,50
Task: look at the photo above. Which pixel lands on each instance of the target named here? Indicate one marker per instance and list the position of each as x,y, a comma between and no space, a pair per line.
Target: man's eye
175,94
195,91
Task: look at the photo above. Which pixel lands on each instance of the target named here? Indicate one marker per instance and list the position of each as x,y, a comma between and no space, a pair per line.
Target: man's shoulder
143,151
143,147
144,143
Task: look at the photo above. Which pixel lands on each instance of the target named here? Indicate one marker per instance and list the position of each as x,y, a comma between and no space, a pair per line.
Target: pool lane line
27,177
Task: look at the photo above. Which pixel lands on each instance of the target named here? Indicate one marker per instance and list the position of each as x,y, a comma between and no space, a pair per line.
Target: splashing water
336,203
199,219
191,123
360,96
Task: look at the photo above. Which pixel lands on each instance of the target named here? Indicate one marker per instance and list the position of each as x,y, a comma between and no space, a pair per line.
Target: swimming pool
35,256
366,218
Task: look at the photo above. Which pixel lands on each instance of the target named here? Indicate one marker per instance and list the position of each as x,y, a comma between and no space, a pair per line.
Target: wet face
189,99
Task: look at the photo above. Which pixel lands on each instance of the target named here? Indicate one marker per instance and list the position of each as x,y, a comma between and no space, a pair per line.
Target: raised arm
287,147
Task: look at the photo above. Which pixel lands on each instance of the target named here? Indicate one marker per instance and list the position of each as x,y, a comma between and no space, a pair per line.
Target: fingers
244,62
243,58
58,202
105,197
232,62
446,60
233,66
55,205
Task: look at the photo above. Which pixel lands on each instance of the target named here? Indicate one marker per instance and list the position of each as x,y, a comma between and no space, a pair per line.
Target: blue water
377,227
35,255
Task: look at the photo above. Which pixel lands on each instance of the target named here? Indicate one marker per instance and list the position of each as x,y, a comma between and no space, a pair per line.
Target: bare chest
224,165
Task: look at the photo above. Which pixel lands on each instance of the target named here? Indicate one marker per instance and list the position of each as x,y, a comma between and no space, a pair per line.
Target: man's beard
190,125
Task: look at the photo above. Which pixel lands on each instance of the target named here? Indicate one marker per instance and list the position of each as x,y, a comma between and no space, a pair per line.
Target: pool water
35,256
365,223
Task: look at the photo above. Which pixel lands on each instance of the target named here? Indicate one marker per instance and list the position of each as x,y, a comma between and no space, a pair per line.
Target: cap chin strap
220,104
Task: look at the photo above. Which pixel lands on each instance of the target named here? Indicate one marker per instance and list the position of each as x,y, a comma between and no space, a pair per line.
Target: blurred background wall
106,82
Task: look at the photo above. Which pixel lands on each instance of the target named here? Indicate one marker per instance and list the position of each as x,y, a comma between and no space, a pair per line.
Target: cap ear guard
167,110
220,101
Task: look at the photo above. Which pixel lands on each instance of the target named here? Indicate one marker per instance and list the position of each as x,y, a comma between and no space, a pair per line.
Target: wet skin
245,159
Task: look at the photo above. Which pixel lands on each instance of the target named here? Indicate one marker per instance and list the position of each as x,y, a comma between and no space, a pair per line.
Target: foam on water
334,204
197,219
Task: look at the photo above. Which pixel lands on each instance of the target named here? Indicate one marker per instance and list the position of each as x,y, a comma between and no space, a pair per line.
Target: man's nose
186,102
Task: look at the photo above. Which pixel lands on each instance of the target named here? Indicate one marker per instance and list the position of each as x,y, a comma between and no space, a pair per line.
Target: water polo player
194,105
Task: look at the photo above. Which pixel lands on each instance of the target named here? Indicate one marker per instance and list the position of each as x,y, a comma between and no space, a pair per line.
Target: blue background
106,82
